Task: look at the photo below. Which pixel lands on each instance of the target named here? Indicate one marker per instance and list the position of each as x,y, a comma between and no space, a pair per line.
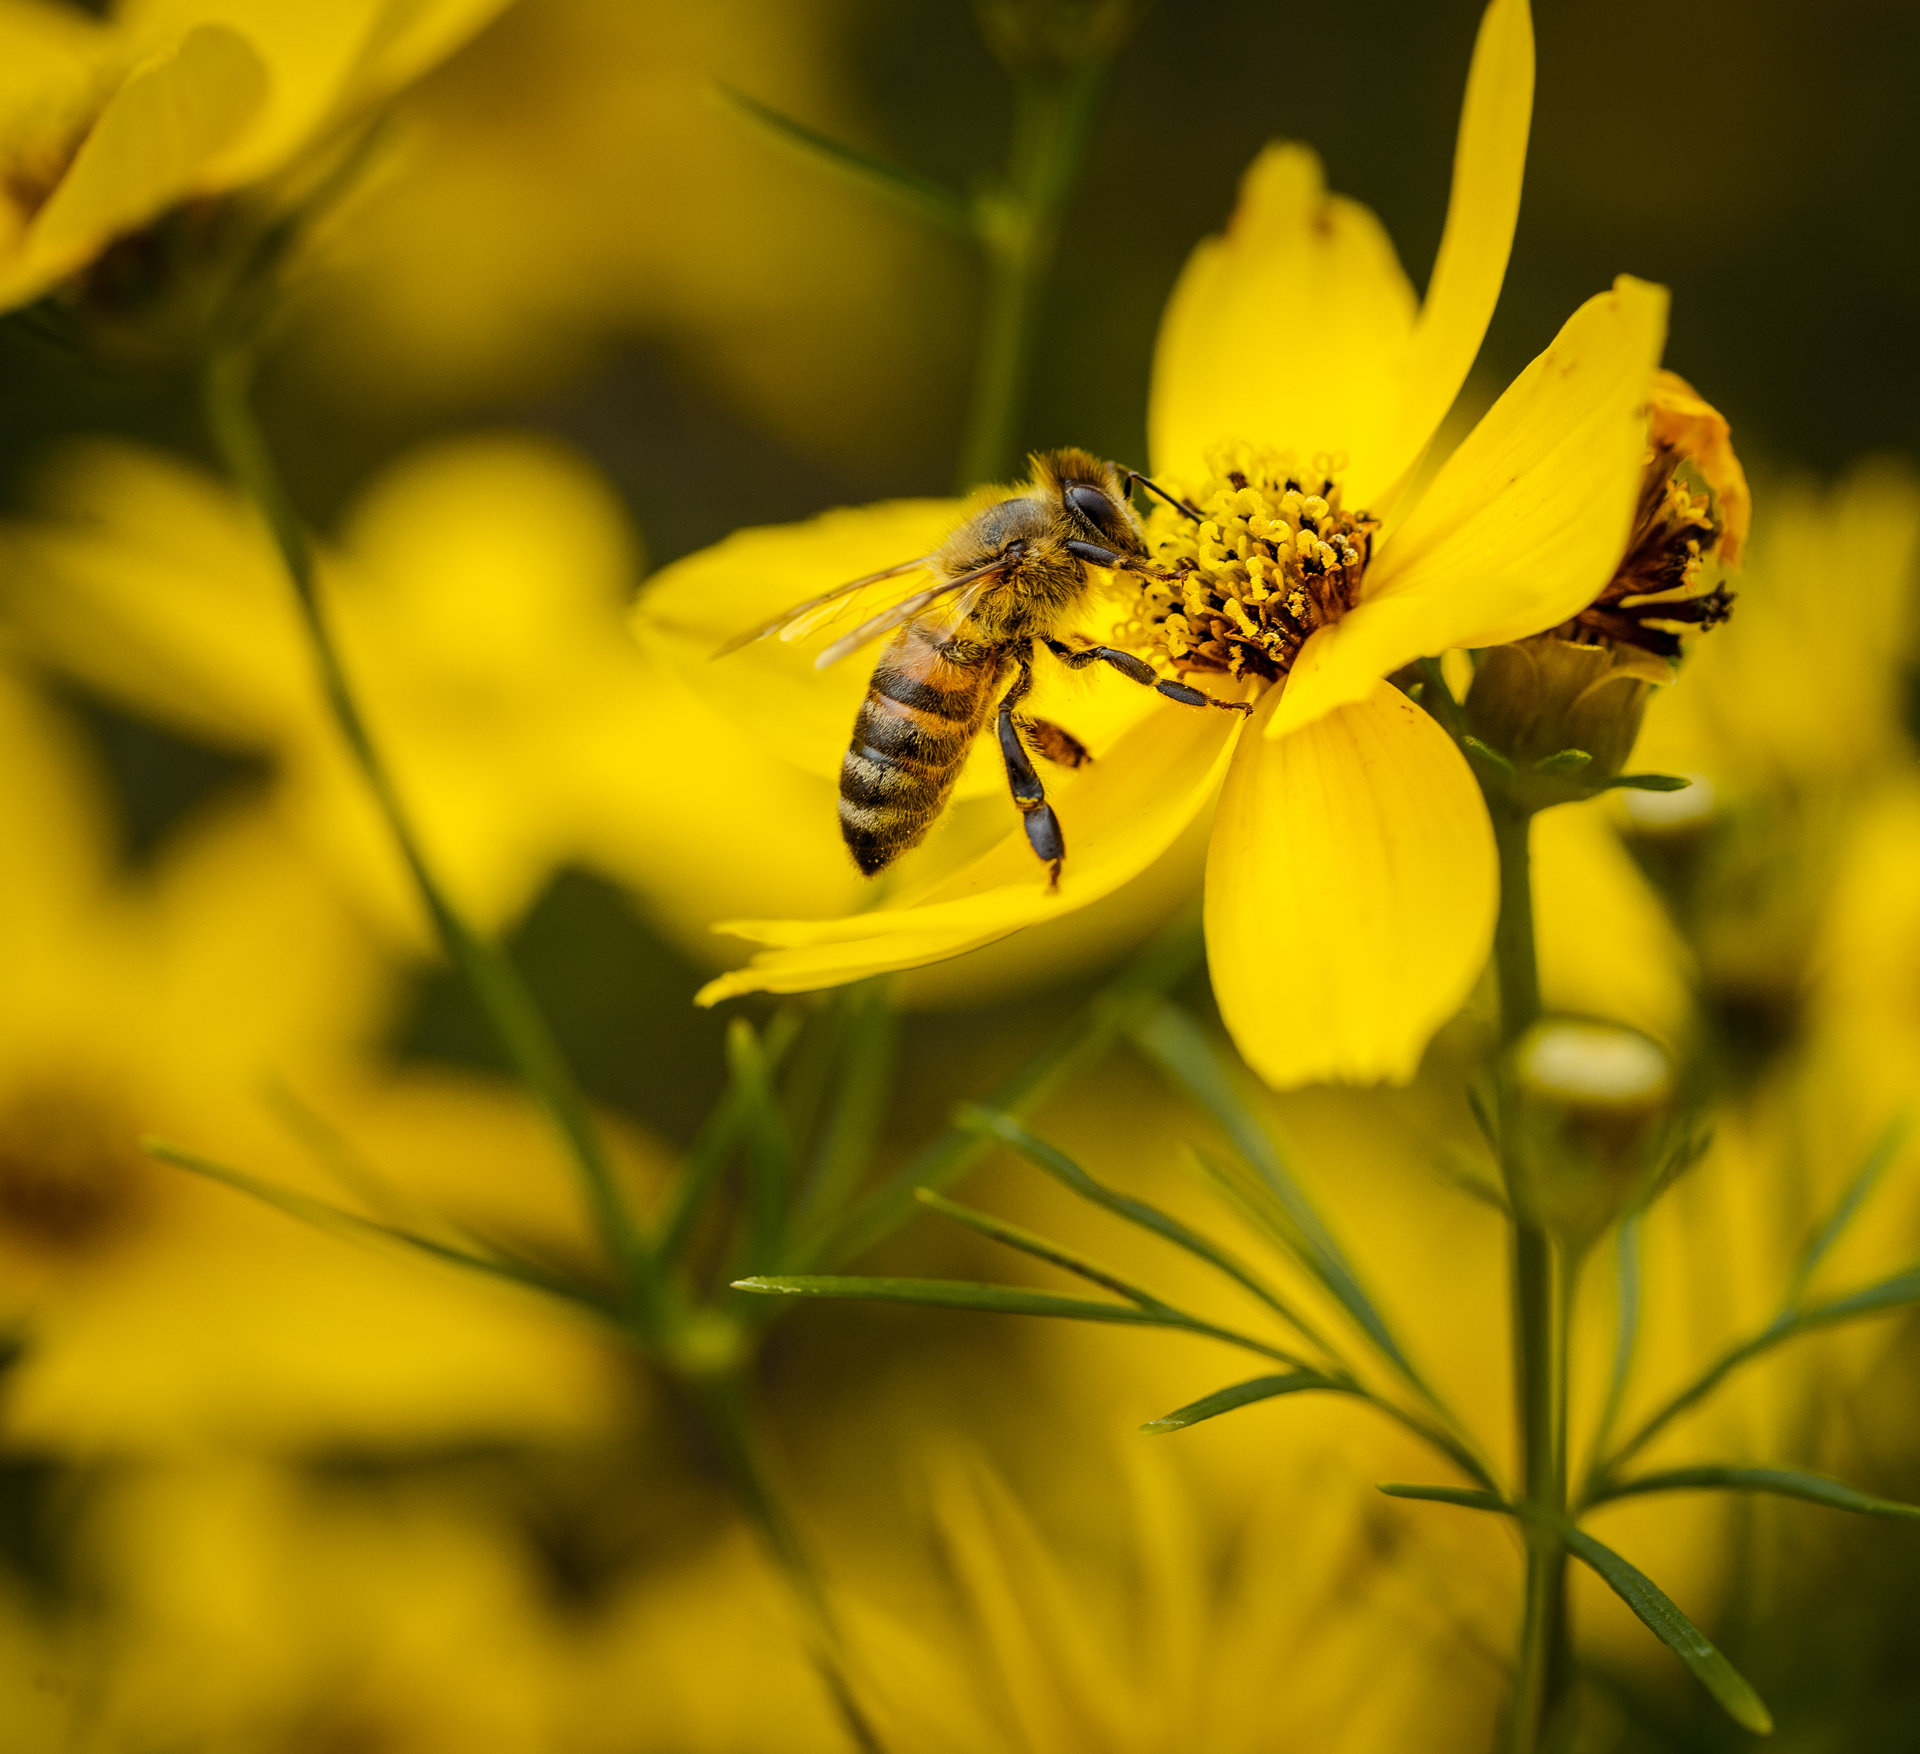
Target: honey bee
1006,583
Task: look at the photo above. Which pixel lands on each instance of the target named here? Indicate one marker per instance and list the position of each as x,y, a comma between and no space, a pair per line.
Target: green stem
720,1401
1019,228
496,984
1514,960
1539,1298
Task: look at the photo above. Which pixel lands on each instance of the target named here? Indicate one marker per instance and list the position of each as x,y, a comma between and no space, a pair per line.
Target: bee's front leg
1043,827
1139,670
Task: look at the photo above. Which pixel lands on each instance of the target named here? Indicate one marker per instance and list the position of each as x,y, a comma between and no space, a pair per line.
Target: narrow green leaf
1483,1119
1896,1292
1490,755
1563,761
1174,1042
1244,1394
921,196
769,1149
699,1174
1461,1169
1648,782
338,1156
869,1049
1780,1482
1148,1217
1865,1180
1626,1330
1464,1496
1055,1255
1674,1629
338,1221
951,1294
1172,955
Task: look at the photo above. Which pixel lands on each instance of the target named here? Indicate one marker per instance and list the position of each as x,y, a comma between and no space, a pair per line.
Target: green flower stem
495,983
1515,963
1019,228
719,1400
1539,1363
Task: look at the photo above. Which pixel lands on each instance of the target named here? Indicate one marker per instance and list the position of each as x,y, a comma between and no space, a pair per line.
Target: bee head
1092,494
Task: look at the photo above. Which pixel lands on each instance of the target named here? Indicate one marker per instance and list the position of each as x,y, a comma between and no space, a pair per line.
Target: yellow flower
105,126
1296,387
1203,1620
1802,691
156,1310
571,179
479,589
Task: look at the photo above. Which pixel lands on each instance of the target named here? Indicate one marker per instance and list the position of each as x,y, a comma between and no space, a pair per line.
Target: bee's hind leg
1139,670
1052,742
1043,827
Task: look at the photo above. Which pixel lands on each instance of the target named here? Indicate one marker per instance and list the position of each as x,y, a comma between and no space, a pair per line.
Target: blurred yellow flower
1791,721
572,182
106,125
1238,1627
157,1310
479,589
1351,875
1803,688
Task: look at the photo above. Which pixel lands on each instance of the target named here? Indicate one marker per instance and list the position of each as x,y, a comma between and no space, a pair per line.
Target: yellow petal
1489,158
1287,331
310,51
1682,418
689,609
1297,329
1119,815
1524,524
1351,893
150,145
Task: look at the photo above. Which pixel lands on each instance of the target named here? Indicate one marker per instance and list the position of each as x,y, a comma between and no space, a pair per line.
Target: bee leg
1094,555
1052,742
1043,827
1140,671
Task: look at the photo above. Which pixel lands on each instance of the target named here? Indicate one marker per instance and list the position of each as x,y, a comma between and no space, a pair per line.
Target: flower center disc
1273,557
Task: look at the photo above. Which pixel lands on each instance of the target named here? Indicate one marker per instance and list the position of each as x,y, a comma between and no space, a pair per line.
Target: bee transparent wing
802,618
900,613
954,617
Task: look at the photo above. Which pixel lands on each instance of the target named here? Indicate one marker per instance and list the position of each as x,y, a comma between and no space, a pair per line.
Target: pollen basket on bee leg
1273,556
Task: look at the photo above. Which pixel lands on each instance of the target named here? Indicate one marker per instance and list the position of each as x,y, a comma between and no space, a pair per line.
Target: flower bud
1564,714
1555,717
1591,1104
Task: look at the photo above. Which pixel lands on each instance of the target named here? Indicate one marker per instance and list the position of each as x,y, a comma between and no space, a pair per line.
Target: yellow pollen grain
1272,557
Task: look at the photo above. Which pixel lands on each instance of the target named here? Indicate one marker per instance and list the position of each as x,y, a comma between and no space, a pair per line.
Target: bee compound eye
1092,504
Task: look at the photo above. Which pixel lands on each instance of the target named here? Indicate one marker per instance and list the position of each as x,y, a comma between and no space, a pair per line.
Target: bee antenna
1136,479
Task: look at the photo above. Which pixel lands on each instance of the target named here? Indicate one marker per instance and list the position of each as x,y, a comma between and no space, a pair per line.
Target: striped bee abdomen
910,740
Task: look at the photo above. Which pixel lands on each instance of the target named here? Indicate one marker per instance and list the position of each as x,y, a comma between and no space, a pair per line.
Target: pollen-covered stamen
1657,594
1272,557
